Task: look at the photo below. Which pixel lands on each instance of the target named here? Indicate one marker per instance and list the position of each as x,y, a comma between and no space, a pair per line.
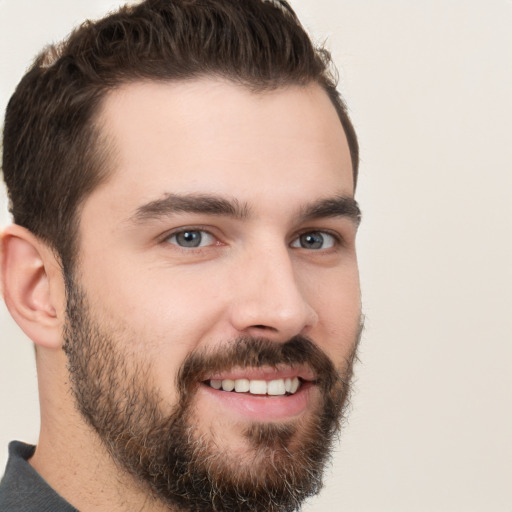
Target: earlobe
29,272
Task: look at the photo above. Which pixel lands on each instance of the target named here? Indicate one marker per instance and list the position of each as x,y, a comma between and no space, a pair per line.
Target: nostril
264,327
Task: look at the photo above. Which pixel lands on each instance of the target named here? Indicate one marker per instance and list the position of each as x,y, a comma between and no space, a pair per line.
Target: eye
191,238
314,240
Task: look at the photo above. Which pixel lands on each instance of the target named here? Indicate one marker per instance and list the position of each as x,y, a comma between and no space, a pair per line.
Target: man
181,176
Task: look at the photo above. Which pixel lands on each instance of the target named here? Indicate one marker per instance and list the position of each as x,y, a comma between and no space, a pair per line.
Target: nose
268,301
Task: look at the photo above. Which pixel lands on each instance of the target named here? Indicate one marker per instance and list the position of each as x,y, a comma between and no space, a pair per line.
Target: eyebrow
193,203
337,206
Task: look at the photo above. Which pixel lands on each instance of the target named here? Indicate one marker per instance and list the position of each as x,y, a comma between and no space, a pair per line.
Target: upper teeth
258,387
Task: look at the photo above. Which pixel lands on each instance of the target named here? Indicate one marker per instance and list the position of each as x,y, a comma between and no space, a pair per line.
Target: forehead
213,136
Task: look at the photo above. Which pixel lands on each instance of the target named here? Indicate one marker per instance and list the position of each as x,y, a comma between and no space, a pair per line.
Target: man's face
220,253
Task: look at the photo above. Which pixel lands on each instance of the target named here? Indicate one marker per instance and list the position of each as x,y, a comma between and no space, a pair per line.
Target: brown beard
166,454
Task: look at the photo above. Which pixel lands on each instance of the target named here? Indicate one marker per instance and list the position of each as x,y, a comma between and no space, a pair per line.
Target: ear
33,286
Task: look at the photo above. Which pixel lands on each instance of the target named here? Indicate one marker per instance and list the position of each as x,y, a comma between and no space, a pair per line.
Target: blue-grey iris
311,241
189,238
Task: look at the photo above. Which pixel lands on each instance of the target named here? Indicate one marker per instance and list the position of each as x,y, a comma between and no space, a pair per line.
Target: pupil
189,238
312,241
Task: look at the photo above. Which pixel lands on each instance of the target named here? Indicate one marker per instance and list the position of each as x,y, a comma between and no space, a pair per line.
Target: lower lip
264,407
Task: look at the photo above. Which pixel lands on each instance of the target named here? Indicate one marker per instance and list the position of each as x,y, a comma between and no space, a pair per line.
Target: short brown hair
53,156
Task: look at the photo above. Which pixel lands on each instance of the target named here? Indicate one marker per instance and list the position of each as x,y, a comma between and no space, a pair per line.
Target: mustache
254,352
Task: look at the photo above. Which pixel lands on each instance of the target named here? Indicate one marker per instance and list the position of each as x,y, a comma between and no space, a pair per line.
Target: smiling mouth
262,394
276,387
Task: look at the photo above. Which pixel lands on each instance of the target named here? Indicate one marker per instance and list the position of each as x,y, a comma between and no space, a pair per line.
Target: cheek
162,314
336,297
181,304
155,297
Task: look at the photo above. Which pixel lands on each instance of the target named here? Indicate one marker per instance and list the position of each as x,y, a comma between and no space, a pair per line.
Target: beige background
429,84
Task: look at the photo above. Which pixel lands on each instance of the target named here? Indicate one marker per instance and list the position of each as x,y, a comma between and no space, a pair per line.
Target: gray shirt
23,490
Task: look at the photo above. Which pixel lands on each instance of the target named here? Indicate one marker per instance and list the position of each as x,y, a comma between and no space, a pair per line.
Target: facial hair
165,453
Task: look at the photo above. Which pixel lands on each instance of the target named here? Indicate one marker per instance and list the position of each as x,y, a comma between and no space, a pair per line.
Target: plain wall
429,87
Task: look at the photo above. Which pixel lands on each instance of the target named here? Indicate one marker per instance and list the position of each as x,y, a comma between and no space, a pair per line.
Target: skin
273,154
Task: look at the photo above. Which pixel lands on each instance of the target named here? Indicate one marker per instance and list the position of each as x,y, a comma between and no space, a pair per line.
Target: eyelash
195,229
337,242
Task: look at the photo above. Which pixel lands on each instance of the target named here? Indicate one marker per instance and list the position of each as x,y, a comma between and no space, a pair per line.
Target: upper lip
267,373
